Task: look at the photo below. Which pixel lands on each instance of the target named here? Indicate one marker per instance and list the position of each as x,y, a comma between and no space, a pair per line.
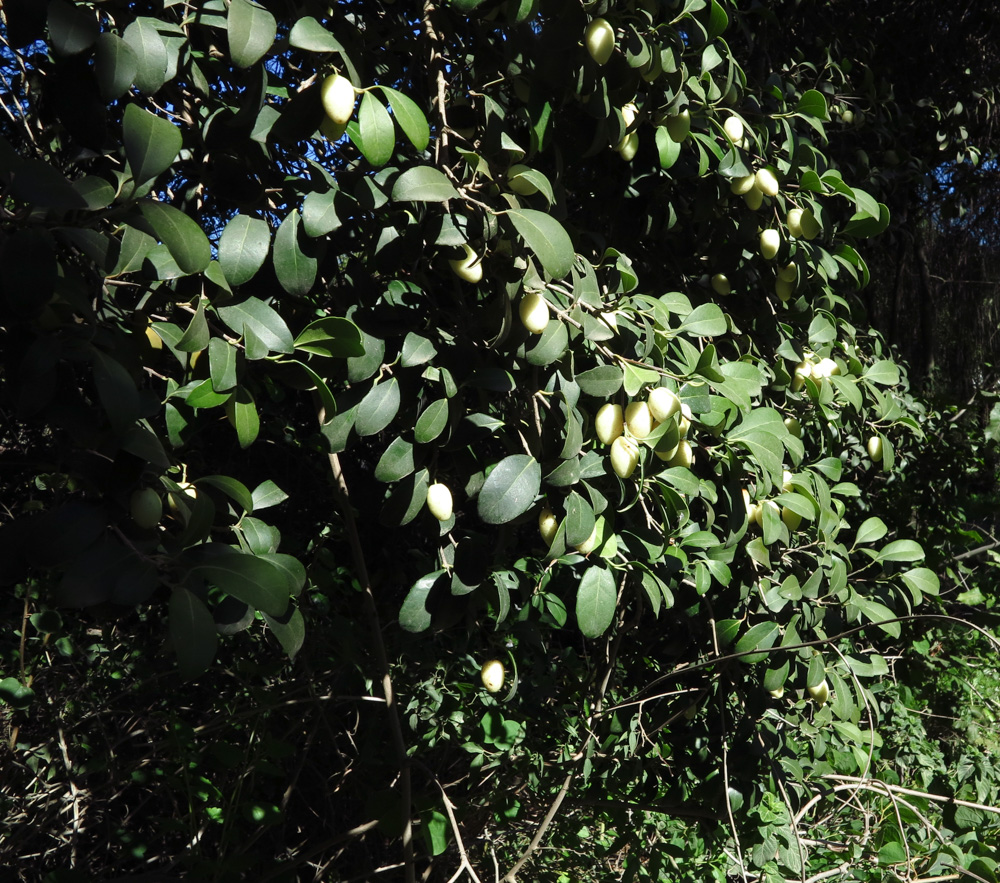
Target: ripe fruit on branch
548,524
629,146
684,422
770,242
784,290
793,221
624,456
733,128
765,182
788,273
589,544
791,518
720,284
684,455
518,184
820,693
600,40
810,226
439,501
337,95
469,268
639,420
793,426
492,675
875,448
663,403
534,312
609,423
753,198
146,508
679,126
741,185
825,368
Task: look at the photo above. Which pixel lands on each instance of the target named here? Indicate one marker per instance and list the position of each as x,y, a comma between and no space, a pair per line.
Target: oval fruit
330,129
765,182
802,370
548,524
609,423
875,448
793,426
770,242
439,501
629,146
789,272
825,368
624,456
337,94
684,455
791,518
793,221
679,126
720,284
638,419
146,508
534,312
810,226
492,675
587,546
754,199
469,268
741,185
663,403
600,40
777,694
820,693
733,128
784,290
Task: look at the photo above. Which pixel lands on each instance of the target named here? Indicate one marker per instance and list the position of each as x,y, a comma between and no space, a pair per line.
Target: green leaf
875,612
901,550
331,336
545,236
116,66
813,103
921,580
601,382
309,34
243,248
510,489
580,519
151,143
242,414
396,462
150,53
378,408
296,270
290,630
192,632
707,320
760,636
883,372
410,117
596,599
871,531
267,494
15,694
414,616
71,28
251,30
254,317
319,213
374,132
431,423
423,184
253,580
185,240
197,335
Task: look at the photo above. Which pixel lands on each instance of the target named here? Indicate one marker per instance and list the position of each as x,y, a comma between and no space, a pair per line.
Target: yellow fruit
609,423
679,126
629,146
810,226
793,221
755,514
338,97
777,694
469,268
788,273
825,368
820,693
492,675
720,284
624,456
439,501
770,242
684,455
518,184
534,312
742,185
155,341
548,524
791,518
663,403
875,448
754,199
766,183
684,421
733,128
146,508
600,40
669,454
639,420
802,370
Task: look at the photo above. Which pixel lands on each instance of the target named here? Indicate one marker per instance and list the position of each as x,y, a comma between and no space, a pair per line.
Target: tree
614,294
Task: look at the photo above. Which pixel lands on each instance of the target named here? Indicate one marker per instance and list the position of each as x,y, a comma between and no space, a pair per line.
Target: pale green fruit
668,455
820,693
534,312
825,368
548,524
520,185
770,242
810,226
784,290
875,448
439,501
679,126
788,273
755,514
786,481
624,456
793,221
793,426
791,518
777,694
720,284
469,268
146,508
629,146
663,403
600,40
609,423
629,114
753,198
847,116
741,185
802,371
331,130
589,544
492,675
684,455
766,183
684,422
639,420
337,95
733,128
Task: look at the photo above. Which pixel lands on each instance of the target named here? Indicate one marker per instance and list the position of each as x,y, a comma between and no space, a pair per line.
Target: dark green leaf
596,600
374,133
547,238
151,143
377,409
116,66
296,270
255,317
192,632
331,336
243,248
410,117
183,237
251,30
71,28
247,577
431,423
414,616
423,184
510,489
